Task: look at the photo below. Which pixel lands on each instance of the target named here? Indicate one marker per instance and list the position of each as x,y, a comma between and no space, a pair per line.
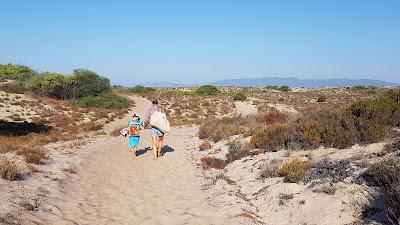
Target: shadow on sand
167,149
142,151
21,128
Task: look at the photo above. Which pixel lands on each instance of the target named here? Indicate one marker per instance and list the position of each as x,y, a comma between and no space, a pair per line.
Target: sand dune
112,188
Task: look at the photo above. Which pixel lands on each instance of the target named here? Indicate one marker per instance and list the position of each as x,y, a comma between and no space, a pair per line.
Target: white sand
112,188
245,108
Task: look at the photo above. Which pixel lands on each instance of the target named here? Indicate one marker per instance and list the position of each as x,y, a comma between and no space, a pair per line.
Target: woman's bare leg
155,141
160,145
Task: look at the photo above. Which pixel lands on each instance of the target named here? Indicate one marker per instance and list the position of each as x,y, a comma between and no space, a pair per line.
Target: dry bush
393,146
269,170
12,87
33,155
387,174
274,116
91,126
205,146
271,138
10,144
219,129
117,131
294,171
209,162
8,169
321,98
236,152
328,171
329,189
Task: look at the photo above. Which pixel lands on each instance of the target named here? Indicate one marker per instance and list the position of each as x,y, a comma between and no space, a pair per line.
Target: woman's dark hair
155,102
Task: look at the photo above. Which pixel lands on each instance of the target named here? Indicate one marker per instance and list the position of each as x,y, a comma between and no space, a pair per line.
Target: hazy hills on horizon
280,81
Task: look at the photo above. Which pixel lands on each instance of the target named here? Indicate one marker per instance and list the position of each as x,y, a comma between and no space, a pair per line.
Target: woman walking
157,135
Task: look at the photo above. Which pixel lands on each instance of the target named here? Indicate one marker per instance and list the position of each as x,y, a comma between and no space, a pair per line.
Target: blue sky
197,41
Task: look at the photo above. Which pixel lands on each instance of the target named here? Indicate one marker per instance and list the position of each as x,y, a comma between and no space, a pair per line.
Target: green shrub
16,72
208,90
87,83
239,96
49,84
141,89
82,83
279,88
106,101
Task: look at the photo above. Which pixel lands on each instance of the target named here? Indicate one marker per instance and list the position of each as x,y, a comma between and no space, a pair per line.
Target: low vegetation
240,96
361,87
278,88
8,169
208,90
141,89
16,72
209,162
218,129
294,171
387,174
105,101
362,122
205,146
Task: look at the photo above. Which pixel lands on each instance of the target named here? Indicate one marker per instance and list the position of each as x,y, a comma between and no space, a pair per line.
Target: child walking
134,127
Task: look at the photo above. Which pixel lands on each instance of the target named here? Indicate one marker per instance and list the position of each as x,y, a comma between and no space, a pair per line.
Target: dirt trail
112,188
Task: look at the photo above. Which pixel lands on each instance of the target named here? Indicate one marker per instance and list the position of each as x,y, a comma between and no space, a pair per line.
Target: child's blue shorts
133,141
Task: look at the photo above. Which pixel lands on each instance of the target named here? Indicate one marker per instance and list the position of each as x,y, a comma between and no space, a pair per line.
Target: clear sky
196,41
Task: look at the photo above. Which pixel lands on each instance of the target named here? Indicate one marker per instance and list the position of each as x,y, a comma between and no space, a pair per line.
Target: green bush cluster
16,72
141,89
104,101
239,96
208,90
82,83
278,88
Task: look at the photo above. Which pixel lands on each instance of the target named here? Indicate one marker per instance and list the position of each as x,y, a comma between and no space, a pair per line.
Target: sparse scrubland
301,140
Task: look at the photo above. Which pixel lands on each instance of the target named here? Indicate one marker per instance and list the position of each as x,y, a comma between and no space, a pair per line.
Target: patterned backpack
134,128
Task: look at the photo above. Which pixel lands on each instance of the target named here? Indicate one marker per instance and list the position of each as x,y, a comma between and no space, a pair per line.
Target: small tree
88,83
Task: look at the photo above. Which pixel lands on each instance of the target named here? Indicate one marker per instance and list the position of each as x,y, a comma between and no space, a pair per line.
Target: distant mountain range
279,81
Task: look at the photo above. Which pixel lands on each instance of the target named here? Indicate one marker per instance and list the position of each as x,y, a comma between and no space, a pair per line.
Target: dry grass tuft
34,155
205,146
294,171
8,169
209,162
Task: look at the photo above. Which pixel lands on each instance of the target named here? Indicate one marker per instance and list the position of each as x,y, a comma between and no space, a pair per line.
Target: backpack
134,129
159,120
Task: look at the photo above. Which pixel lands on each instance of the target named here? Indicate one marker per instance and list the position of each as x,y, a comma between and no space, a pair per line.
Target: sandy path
112,188
245,108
